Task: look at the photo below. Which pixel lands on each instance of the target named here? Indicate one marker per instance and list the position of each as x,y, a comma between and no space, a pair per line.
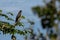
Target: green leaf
31,22
7,25
10,13
4,22
13,31
4,15
20,24
23,17
0,11
9,28
21,32
37,10
10,19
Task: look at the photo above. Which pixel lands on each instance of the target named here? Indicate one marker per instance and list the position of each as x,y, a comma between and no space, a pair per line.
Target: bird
18,17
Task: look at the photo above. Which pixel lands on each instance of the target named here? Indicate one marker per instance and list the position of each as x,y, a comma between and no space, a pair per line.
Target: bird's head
20,11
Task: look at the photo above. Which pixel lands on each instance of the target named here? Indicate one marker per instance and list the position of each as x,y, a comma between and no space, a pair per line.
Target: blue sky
25,5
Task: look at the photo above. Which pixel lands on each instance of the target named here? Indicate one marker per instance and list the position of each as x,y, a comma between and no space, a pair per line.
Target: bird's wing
18,16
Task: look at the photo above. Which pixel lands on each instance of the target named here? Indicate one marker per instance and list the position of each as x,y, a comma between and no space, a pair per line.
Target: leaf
58,17
31,22
10,13
10,19
37,10
0,10
7,25
20,24
13,31
4,22
21,32
23,17
4,15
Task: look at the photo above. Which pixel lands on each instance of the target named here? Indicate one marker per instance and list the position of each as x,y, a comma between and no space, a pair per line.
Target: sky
24,5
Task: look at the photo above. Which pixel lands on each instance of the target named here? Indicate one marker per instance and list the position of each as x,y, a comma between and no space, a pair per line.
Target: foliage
8,28
48,15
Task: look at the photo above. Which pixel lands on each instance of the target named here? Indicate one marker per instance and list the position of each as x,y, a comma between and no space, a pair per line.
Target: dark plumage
18,16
